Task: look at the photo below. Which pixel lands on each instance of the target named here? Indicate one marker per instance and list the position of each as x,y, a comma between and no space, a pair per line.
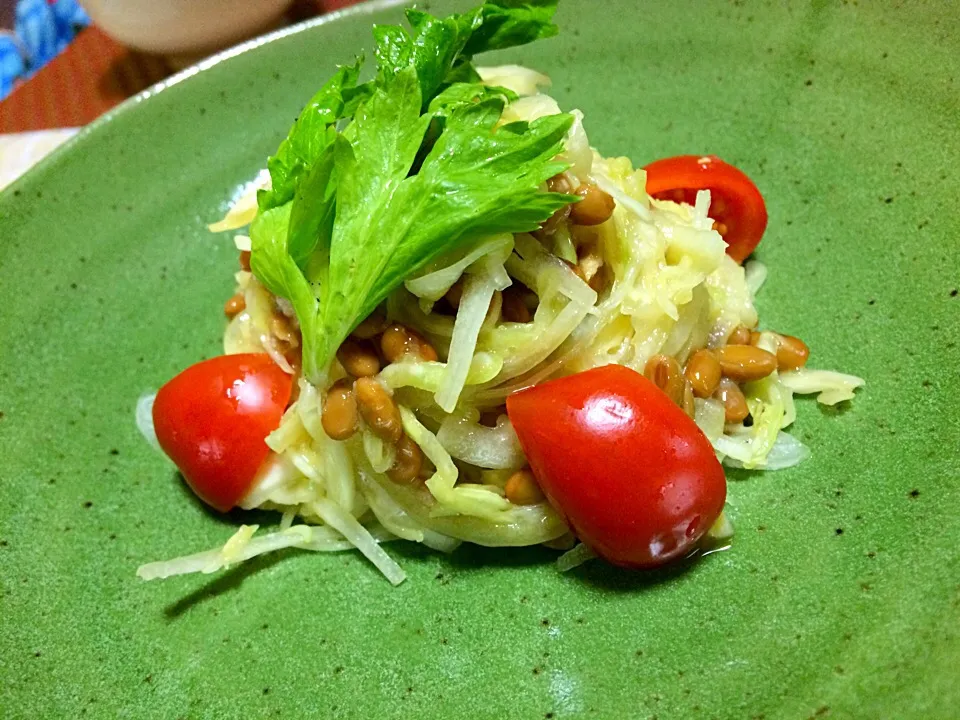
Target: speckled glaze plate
840,595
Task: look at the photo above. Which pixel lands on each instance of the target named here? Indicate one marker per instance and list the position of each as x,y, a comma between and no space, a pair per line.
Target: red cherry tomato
634,477
736,205
212,418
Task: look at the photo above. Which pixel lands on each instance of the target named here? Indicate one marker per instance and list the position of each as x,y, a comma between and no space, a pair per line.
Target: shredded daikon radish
144,418
477,294
306,537
575,557
347,525
834,387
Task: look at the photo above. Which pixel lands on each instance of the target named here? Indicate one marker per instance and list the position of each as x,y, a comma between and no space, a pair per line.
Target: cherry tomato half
212,418
634,477
736,204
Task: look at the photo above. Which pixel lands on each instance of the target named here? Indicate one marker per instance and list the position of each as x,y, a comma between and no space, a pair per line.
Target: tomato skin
212,418
633,476
736,203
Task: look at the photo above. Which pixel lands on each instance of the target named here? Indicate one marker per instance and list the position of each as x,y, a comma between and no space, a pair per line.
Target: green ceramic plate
840,596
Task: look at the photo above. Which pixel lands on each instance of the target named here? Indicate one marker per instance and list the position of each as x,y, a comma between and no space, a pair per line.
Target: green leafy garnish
421,168
460,94
510,23
308,137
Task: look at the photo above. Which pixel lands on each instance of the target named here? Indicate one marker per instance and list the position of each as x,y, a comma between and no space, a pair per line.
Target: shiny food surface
839,595
632,474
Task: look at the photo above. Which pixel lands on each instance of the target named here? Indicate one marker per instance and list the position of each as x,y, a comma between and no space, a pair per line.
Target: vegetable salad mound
455,321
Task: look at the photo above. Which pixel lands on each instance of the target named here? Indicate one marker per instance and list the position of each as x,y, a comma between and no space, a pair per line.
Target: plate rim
363,8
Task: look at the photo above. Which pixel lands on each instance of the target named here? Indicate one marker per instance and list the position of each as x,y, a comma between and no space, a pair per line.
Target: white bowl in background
183,27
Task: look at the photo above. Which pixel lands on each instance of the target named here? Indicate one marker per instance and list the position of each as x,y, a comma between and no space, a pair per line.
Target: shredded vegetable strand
484,367
468,499
347,525
477,294
833,387
244,547
574,558
435,283
144,419
466,439
398,521
660,282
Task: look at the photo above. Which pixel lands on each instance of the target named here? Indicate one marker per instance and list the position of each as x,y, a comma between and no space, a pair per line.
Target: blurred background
63,63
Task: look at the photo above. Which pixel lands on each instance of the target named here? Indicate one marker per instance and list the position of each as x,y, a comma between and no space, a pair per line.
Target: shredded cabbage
785,452
652,279
380,455
755,274
519,79
439,277
518,526
244,546
709,417
466,439
428,375
144,419
244,207
722,528
486,276
577,149
834,387
398,521
333,515
750,446
277,476
574,558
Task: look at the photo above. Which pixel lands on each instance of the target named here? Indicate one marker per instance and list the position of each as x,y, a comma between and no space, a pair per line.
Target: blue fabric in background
41,30
11,63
